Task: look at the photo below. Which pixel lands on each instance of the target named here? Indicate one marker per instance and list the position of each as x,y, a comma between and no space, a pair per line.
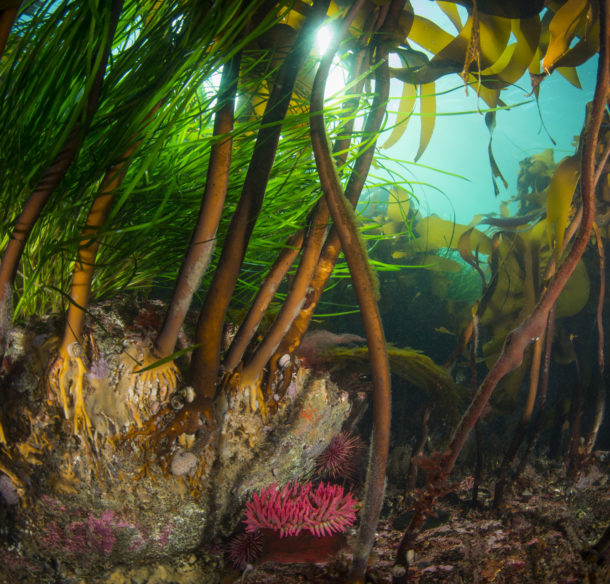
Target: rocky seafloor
105,509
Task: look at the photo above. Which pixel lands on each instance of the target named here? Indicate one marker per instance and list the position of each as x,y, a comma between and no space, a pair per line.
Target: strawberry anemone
300,522
325,510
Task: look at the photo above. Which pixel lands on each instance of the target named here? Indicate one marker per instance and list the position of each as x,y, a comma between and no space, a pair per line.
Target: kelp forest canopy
192,152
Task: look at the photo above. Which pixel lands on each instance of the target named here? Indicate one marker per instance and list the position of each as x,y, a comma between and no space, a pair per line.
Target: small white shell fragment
183,463
284,360
189,394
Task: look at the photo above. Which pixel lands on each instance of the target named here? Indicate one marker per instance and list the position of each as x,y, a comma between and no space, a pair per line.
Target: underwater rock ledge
78,507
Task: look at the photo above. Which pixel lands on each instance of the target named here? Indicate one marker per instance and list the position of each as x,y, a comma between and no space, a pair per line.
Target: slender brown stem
295,298
87,251
343,217
474,384
418,450
600,400
201,247
519,434
315,234
49,182
264,296
534,430
205,363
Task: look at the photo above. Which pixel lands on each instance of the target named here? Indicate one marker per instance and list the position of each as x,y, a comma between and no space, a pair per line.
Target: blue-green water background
459,142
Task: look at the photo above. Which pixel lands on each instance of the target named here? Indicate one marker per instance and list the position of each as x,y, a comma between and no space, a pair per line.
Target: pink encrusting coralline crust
297,507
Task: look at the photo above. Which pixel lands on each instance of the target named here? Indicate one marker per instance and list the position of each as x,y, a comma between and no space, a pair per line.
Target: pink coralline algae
325,510
80,538
98,535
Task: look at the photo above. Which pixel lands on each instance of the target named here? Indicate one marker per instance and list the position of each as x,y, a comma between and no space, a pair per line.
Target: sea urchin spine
339,461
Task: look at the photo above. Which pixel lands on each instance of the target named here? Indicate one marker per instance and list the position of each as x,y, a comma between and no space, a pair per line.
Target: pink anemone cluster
323,510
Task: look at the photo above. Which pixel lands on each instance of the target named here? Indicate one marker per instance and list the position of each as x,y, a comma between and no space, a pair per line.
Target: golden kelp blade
398,204
405,107
429,35
510,67
562,29
435,233
451,10
584,49
427,105
571,75
559,199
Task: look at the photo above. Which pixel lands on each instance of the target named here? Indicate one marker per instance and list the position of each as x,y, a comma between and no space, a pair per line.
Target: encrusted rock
123,498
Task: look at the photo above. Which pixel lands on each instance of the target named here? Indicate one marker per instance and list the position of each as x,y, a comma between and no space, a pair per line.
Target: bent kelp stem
205,363
49,182
202,242
332,246
533,327
345,223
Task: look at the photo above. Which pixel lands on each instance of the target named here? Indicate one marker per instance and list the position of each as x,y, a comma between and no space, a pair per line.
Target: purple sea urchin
297,507
245,548
340,459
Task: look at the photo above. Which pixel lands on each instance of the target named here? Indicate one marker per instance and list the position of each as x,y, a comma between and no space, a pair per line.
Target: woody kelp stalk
69,369
347,229
205,363
199,253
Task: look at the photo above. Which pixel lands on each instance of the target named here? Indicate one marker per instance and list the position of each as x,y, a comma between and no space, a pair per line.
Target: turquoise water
459,142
